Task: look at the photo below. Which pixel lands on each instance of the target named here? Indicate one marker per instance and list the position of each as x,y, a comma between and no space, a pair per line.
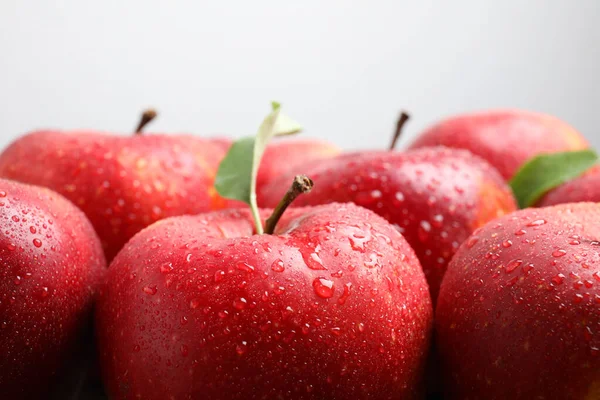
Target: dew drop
219,275
559,253
241,348
558,279
37,242
166,268
323,287
423,231
32,229
512,265
277,266
506,244
240,304
537,222
596,276
578,298
346,294
151,290
313,261
242,266
520,232
11,246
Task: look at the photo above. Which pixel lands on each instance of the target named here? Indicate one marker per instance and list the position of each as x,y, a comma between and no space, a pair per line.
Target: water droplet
277,266
151,290
15,218
194,303
32,229
37,242
472,241
166,268
527,268
578,298
188,258
423,231
596,276
136,348
223,314
506,244
558,279
324,288
588,284
17,280
2,193
183,320
337,274
559,253
346,294
240,303
313,261
219,275
537,222
242,266
399,196
241,348
512,265
520,232
335,331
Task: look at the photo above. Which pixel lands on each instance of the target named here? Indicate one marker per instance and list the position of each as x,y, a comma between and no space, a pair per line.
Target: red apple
51,264
332,305
518,312
504,138
435,196
122,183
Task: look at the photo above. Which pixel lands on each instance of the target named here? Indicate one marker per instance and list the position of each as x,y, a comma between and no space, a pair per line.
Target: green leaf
236,177
547,171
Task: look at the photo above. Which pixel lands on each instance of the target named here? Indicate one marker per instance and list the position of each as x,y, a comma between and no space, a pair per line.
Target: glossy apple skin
517,316
436,197
122,184
51,266
288,157
585,188
504,138
199,307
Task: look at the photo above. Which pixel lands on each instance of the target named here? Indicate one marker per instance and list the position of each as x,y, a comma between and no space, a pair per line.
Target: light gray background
341,68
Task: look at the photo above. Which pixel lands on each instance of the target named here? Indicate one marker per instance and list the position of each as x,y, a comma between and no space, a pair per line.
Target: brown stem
301,184
147,116
399,125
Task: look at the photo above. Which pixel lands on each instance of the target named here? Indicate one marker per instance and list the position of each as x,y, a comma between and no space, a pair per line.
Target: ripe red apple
51,263
581,189
332,305
504,138
435,196
122,183
518,312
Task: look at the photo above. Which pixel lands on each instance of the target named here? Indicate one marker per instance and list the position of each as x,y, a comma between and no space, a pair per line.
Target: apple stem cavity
147,116
301,184
404,116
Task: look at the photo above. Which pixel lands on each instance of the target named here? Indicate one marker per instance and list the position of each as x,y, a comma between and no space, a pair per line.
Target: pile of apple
375,274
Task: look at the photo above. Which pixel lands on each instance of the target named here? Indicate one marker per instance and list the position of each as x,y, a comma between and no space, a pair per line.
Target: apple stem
147,116
301,184
399,125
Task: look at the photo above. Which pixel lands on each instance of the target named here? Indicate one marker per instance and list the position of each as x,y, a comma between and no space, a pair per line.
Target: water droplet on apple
241,348
219,275
346,294
512,265
242,266
32,229
423,231
240,304
323,287
166,268
472,241
537,222
194,303
277,266
507,243
559,253
558,279
312,260
151,290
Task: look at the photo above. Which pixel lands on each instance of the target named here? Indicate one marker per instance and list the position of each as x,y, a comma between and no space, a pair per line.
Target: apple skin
435,196
122,184
52,264
585,188
288,157
199,307
517,316
504,138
